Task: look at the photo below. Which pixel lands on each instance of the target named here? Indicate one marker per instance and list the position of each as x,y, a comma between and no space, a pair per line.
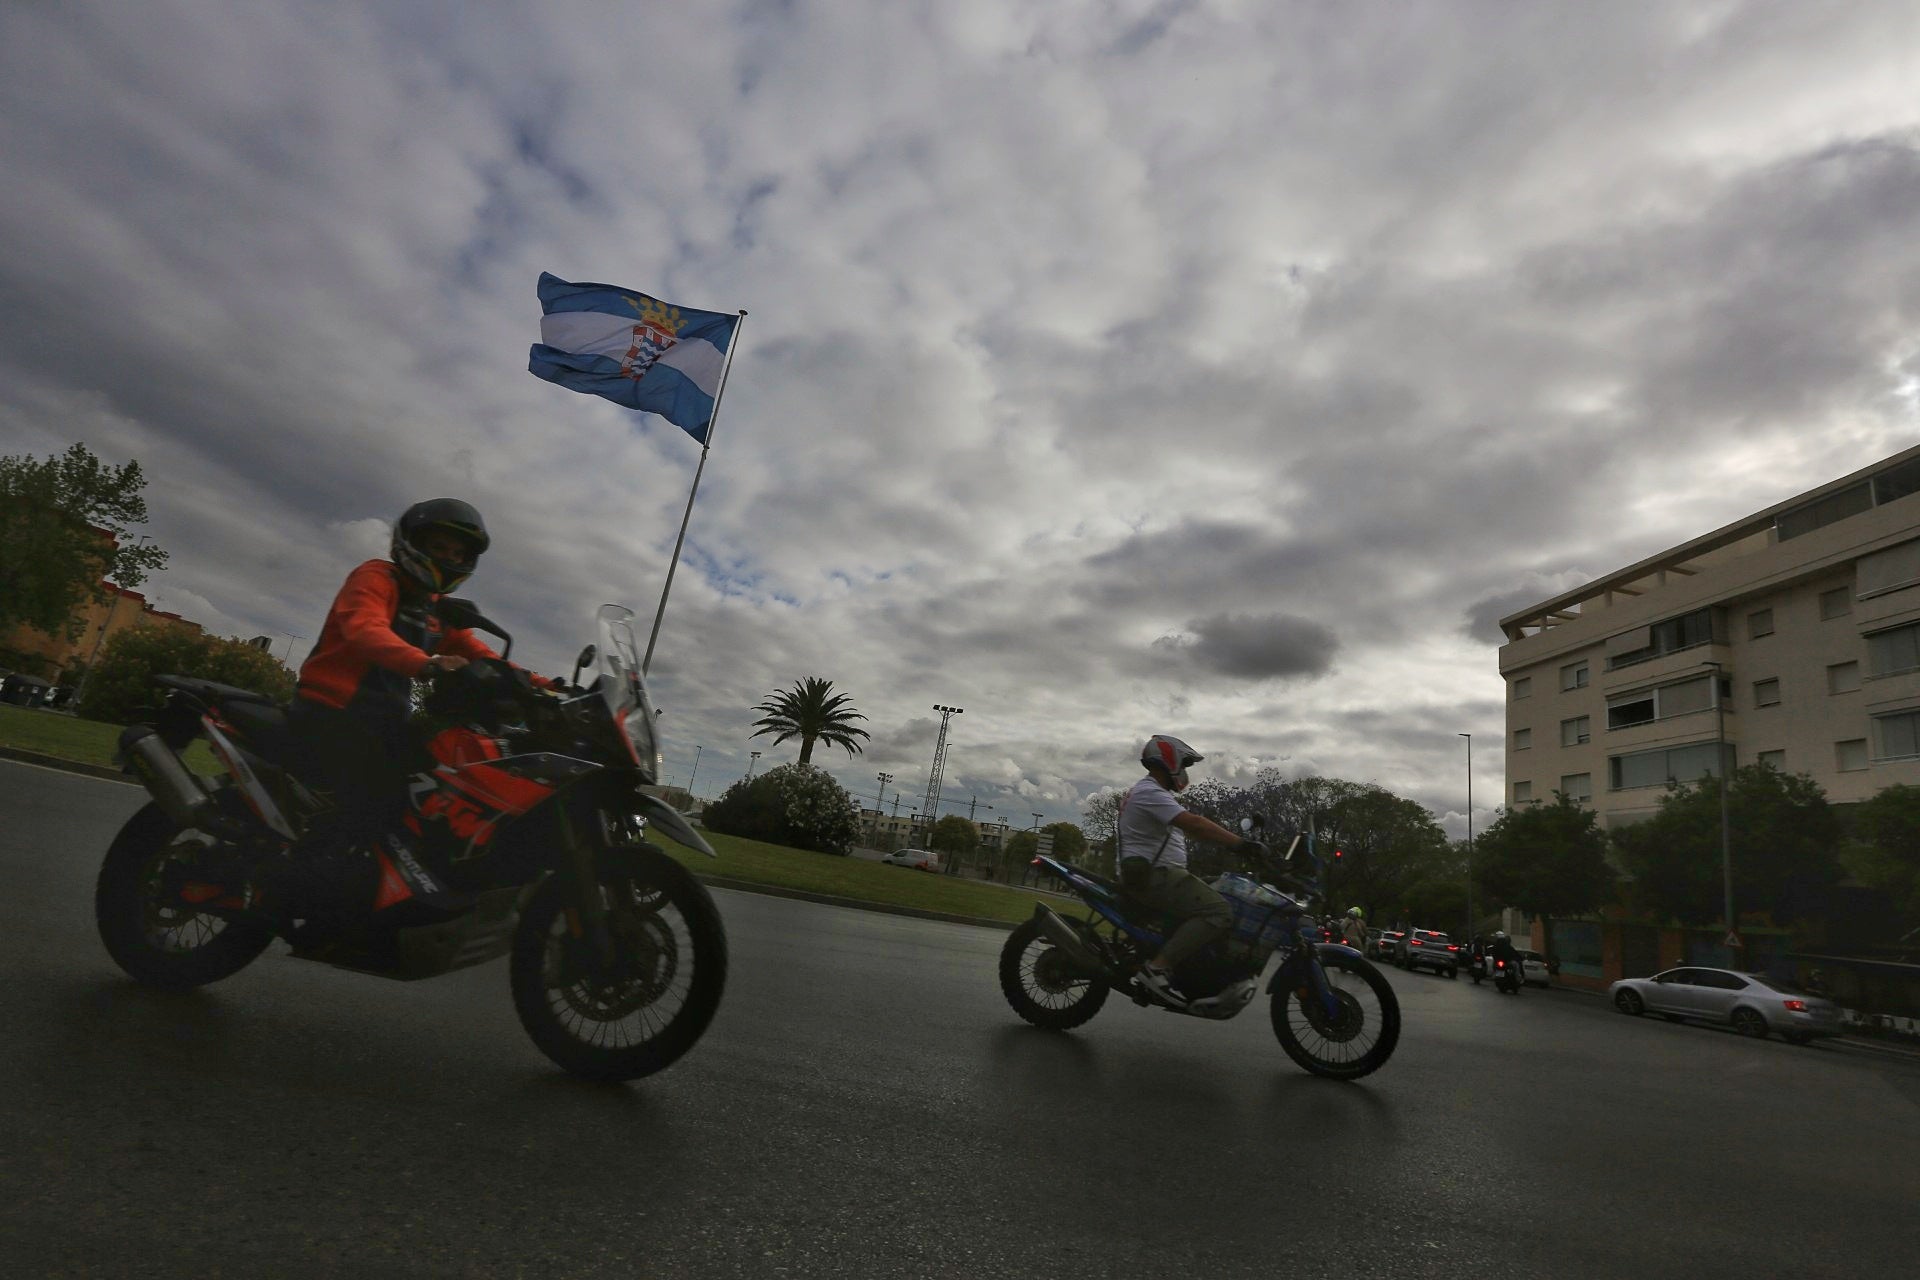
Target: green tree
1784,838
1021,847
811,712
1888,855
52,557
795,805
1069,842
121,687
1546,859
954,837
1100,820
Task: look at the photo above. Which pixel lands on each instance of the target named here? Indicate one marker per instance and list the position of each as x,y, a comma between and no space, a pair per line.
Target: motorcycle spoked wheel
1042,987
640,1011
157,937
1358,1039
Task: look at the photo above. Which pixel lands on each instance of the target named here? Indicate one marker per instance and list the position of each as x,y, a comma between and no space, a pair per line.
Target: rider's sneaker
1160,984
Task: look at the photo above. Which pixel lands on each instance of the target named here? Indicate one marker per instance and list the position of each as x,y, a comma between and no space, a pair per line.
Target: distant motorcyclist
1153,831
1501,950
1353,931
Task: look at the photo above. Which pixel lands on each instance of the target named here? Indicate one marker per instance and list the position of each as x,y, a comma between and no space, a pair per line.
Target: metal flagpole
706,444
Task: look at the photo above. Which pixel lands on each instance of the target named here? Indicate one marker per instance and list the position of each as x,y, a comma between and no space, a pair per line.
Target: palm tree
811,712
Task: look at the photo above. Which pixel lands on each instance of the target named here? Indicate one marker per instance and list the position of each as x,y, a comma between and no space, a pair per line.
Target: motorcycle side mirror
580,663
456,612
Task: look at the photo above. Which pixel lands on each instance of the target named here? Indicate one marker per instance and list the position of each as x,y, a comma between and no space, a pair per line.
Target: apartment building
1791,636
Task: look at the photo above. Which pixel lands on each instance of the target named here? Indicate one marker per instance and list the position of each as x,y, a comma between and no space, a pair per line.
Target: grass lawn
70,738
856,878
90,742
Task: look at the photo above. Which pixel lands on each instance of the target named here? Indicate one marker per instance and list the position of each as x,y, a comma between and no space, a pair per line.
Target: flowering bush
795,805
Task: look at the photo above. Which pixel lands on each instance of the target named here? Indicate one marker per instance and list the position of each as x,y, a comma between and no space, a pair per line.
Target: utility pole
697,749
973,802
930,807
881,801
1469,738
1726,838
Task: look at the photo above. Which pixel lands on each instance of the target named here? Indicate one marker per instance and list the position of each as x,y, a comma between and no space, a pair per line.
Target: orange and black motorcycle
526,837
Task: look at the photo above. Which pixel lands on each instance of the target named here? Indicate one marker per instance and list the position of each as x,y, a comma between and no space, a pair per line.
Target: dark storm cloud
1254,647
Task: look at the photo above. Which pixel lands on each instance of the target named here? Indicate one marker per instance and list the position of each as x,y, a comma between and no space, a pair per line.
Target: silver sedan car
1749,1003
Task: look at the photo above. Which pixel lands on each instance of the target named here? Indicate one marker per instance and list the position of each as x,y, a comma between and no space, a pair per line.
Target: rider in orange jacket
354,697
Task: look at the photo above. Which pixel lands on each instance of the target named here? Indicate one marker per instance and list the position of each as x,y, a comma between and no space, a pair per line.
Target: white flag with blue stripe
634,350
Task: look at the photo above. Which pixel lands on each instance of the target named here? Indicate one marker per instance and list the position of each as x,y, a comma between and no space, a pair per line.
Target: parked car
919,858
1381,945
1533,967
1428,949
1751,1004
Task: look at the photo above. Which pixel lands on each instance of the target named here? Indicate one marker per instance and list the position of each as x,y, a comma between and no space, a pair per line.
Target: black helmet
1166,752
456,517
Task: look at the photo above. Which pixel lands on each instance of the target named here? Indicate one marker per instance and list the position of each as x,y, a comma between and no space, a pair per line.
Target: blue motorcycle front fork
1308,958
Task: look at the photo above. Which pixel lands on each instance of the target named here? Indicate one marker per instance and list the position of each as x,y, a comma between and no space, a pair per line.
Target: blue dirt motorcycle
1333,1011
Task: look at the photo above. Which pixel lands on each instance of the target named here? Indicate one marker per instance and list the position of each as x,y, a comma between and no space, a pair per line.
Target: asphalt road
866,1105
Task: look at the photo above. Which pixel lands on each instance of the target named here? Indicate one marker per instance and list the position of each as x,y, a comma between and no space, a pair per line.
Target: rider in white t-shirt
1153,832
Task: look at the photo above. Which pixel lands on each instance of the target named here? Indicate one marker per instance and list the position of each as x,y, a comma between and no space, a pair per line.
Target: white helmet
1499,935
1165,752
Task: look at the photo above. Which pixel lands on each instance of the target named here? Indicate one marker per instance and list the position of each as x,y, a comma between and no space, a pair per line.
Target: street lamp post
1036,822
753,758
1726,839
1469,738
697,749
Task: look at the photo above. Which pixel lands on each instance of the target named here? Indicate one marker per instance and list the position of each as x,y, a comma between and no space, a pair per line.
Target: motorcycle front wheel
1355,1040
1042,986
635,1011
143,905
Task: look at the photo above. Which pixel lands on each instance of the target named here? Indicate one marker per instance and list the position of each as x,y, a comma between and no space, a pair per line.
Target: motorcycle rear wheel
1356,1041
160,942
643,1010
1042,987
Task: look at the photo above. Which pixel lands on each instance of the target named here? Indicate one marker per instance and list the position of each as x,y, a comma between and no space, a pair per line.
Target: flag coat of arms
634,350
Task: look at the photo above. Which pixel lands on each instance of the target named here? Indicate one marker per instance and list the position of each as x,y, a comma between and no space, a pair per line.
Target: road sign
1045,844
1732,940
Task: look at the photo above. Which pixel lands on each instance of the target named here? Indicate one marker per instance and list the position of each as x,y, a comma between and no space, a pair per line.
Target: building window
1646,643
1759,623
1850,756
1837,603
1577,787
1775,760
1573,676
1843,677
1657,768
1643,706
1522,687
1766,693
1897,649
1899,735
1575,731
1522,792
1522,739
1821,512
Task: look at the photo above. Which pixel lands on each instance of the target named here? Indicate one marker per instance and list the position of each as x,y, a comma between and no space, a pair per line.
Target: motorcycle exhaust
171,783
1063,936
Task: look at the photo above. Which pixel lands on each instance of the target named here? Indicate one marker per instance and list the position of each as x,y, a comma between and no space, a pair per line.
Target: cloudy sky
1216,368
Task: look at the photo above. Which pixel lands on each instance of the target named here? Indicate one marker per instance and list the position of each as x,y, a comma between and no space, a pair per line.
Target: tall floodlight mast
930,807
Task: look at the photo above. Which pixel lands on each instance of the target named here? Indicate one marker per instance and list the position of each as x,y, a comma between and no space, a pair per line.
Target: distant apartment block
1792,635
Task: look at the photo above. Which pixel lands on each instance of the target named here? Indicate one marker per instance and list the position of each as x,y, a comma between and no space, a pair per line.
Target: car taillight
1796,1006
1452,946
1414,943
